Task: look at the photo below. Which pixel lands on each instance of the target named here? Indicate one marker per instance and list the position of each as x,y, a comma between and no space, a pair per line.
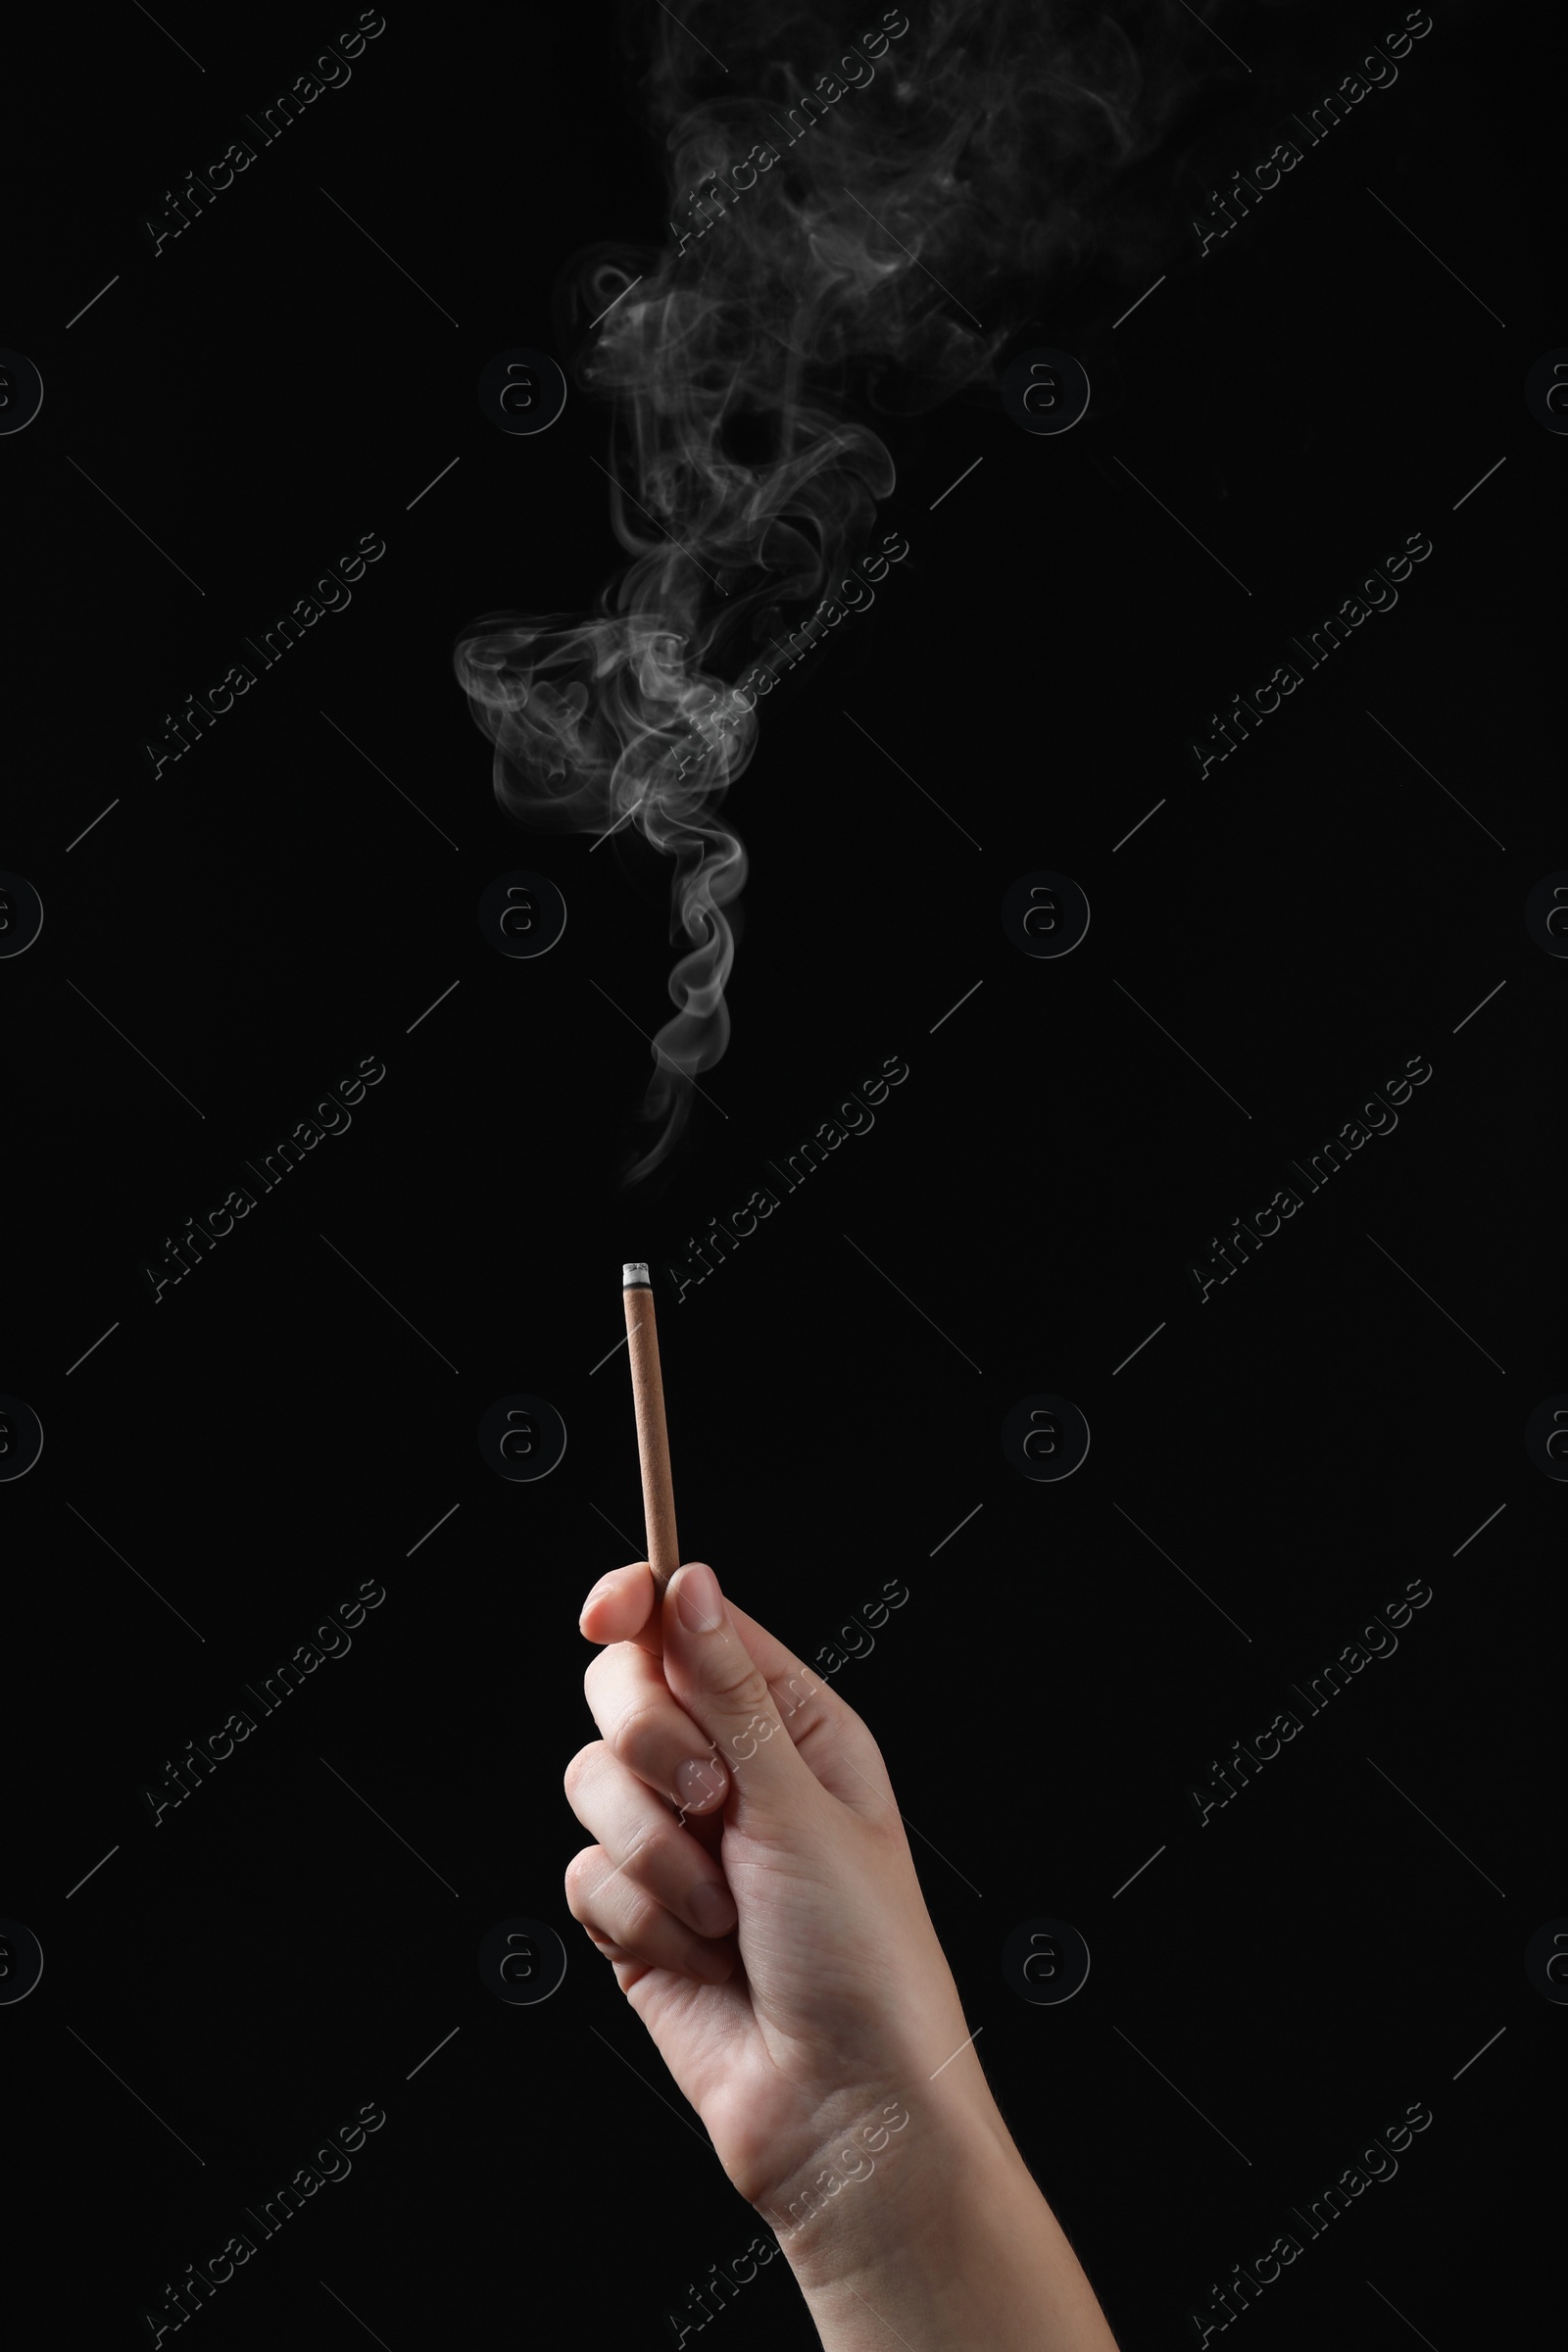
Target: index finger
623,1607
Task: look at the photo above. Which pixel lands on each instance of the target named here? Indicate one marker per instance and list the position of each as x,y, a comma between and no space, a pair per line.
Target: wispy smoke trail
833,239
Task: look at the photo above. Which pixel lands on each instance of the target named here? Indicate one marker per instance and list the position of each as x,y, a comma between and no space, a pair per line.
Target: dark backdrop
1270,1985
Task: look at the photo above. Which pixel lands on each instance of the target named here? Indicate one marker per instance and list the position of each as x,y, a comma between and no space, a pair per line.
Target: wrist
948,2242
887,2169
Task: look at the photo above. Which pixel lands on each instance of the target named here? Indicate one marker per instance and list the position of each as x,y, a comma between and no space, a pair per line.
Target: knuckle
635,1736
581,1877
638,1914
654,1861
740,1685
802,1693
577,1770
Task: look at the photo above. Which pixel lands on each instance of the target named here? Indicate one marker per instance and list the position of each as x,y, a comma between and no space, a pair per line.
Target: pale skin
753,1887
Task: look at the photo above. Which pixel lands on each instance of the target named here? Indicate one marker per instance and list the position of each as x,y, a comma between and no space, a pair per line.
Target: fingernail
605,1585
699,1781
699,1600
713,1908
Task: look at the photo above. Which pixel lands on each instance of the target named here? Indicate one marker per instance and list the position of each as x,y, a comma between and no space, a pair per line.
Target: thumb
720,1684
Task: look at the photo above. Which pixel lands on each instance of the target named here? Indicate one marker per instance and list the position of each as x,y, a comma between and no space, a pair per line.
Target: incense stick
653,1439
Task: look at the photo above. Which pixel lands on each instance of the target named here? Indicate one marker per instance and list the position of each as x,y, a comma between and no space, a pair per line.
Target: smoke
846,214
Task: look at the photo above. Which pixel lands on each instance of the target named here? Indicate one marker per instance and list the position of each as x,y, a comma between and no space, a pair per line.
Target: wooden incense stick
653,1439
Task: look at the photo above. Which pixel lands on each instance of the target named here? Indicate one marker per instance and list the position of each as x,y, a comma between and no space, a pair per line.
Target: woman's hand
753,1889
752,1885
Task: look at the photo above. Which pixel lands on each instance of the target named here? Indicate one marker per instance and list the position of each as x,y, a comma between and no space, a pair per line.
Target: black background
1315,1433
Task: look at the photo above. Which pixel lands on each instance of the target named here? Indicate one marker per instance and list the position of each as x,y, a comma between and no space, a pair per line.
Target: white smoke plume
846,211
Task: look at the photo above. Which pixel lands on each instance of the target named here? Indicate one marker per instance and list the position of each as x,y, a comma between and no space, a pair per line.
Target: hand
753,1886
754,1889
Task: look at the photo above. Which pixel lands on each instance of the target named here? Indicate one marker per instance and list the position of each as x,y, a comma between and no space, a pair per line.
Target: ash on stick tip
635,1277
